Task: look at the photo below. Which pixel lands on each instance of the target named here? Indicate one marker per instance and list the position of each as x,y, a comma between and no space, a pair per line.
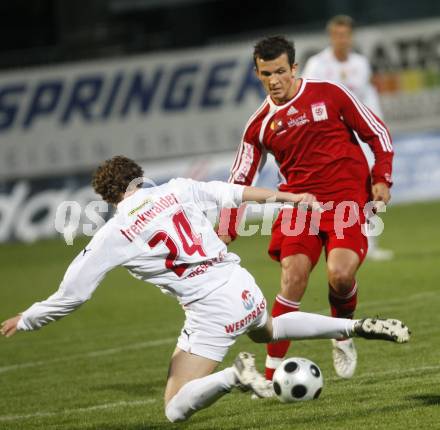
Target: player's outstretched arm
264,195
80,281
9,327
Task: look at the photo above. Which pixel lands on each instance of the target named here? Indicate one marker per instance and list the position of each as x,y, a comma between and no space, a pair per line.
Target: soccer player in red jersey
340,63
308,126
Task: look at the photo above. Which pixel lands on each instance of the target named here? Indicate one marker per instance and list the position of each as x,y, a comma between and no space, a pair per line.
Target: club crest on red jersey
277,125
248,300
319,111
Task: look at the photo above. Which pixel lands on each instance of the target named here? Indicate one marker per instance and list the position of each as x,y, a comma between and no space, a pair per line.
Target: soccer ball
297,379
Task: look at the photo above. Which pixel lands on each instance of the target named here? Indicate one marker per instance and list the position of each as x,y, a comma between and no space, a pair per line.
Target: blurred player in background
340,64
309,127
162,235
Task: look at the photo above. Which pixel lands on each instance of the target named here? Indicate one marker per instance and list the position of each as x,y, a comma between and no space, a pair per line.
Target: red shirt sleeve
371,130
249,160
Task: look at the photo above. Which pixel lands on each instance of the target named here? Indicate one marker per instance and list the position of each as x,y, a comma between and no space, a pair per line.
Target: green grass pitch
104,367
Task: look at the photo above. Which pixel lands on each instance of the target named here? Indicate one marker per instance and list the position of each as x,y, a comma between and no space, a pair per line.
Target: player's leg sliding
200,393
344,351
302,325
203,392
276,352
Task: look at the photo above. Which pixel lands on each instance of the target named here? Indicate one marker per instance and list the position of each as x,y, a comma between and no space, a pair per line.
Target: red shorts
299,232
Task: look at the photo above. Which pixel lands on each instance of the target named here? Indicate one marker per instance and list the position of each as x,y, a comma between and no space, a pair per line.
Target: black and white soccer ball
297,379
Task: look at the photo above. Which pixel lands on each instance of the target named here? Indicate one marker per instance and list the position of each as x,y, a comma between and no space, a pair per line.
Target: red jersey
312,139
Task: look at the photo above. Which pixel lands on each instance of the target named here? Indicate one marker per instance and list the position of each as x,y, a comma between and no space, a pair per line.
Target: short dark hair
272,47
112,178
344,20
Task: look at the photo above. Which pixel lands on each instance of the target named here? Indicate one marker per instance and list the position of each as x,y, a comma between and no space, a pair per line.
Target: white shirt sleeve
214,194
103,253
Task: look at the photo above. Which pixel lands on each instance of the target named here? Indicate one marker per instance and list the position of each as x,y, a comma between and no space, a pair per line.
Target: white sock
200,393
273,362
372,243
303,325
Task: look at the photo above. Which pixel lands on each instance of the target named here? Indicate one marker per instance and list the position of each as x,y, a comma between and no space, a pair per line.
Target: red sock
277,351
343,306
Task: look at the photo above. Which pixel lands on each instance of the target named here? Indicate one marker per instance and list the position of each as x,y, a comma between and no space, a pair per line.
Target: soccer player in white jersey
339,63
162,235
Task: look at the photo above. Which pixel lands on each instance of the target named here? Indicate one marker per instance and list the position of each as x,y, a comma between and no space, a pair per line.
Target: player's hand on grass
381,192
9,327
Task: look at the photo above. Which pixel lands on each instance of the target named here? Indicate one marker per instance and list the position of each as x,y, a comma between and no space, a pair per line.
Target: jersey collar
275,107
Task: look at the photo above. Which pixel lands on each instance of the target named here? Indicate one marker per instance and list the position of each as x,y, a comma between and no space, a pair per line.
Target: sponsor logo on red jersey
298,121
292,111
319,111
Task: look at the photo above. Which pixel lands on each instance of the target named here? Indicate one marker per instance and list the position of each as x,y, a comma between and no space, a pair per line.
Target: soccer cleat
270,391
344,357
385,329
249,377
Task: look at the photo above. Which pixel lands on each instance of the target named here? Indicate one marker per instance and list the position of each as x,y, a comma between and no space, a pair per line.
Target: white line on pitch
73,411
98,353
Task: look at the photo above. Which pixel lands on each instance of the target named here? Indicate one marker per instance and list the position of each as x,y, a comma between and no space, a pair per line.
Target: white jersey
354,73
161,235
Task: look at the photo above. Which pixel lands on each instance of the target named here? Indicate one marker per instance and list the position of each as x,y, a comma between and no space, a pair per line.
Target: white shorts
213,323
